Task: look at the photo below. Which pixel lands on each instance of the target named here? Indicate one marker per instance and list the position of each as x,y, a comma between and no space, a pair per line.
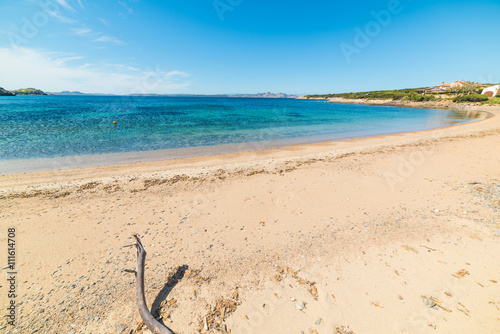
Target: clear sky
246,46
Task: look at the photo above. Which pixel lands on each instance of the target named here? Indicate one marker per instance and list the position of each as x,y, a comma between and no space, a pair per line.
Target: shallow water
34,127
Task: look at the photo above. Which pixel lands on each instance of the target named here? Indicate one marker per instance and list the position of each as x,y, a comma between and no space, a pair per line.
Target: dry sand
393,234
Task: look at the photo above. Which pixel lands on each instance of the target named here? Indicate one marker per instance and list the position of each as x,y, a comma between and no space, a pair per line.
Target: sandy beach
391,234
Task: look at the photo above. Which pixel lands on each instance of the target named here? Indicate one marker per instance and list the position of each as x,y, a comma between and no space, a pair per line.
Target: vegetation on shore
373,95
471,98
470,92
495,100
28,91
23,91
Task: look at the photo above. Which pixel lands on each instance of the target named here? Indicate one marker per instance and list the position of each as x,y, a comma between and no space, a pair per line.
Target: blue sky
245,46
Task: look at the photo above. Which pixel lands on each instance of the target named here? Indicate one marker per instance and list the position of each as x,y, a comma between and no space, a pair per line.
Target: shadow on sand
165,291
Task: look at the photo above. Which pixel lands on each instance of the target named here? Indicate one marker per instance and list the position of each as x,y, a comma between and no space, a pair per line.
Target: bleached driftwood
147,317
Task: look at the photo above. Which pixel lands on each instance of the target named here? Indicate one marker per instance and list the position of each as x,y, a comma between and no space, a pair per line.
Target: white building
491,91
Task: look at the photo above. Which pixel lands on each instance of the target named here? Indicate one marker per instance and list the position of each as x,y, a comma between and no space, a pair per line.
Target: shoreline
238,158
443,104
40,165
362,231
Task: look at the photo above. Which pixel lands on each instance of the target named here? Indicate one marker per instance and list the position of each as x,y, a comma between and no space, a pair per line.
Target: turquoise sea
34,127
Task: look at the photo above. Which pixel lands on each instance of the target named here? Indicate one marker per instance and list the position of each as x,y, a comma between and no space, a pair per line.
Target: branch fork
153,324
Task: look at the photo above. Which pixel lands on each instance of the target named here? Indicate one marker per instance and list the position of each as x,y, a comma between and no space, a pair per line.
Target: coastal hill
23,91
458,91
4,92
28,91
69,93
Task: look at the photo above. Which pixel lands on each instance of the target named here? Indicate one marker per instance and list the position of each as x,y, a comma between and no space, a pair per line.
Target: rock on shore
4,92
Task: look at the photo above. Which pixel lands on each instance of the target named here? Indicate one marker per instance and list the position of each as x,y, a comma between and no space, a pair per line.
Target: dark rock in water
4,92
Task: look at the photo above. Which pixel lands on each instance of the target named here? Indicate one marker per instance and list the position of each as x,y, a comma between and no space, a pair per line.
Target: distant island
68,93
28,91
267,95
33,91
23,91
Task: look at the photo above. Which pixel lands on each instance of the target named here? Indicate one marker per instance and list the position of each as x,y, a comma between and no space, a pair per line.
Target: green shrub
374,95
495,100
471,98
385,95
419,97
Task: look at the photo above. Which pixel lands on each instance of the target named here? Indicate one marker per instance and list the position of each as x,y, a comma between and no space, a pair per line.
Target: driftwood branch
147,317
